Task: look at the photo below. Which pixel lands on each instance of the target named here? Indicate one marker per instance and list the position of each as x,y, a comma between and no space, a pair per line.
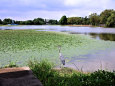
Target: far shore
79,25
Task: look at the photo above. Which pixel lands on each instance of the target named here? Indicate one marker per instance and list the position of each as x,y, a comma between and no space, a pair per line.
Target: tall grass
68,77
10,65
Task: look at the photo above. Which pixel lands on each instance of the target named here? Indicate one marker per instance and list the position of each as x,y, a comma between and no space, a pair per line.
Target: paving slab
21,76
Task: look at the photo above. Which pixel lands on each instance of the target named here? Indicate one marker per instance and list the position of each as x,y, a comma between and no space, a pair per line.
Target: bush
68,77
42,70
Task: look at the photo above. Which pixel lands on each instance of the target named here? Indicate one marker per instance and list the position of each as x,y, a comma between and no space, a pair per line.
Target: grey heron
62,59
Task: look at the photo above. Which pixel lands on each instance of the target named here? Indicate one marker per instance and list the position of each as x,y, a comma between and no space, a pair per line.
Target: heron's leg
60,64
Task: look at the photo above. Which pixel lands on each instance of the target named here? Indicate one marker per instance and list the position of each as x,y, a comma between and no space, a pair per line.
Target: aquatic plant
21,45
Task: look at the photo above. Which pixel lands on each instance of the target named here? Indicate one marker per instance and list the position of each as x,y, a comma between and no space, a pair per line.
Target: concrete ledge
20,76
6,70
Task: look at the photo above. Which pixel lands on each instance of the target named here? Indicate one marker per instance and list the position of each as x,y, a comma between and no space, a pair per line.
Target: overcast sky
51,9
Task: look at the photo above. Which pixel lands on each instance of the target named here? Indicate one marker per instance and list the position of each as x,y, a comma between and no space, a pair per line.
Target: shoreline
80,25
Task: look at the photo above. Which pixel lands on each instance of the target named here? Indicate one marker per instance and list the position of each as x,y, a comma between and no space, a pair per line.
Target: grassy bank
21,45
68,77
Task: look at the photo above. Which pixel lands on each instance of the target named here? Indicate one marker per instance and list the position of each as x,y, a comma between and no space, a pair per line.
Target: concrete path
21,76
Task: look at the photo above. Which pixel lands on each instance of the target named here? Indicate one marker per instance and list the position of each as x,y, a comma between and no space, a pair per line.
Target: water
99,33
102,59
99,36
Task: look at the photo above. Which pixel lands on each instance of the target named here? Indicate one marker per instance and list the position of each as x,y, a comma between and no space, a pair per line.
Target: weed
11,64
69,77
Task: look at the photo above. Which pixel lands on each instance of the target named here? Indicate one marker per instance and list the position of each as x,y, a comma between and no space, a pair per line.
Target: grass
11,65
44,71
21,45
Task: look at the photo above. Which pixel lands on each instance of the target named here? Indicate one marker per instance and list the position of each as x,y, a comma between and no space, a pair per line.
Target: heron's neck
60,54
59,50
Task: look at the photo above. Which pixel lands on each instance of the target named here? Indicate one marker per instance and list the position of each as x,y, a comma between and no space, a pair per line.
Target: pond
99,33
101,59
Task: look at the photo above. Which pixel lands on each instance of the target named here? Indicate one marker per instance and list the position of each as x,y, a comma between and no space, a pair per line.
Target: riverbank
80,25
46,72
69,77
88,26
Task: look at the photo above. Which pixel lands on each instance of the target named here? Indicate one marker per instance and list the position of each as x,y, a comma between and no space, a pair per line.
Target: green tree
111,20
0,21
105,15
53,22
7,21
38,21
74,20
22,22
17,22
29,22
85,20
63,20
94,19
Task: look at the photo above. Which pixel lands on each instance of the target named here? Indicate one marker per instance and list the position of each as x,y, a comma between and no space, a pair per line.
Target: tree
111,20
38,21
71,20
22,22
94,19
0,21
105,15
29,22
17,22
53,22
74,20
63,20
85,21
7,21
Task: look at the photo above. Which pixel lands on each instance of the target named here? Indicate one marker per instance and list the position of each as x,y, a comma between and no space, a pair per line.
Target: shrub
68,77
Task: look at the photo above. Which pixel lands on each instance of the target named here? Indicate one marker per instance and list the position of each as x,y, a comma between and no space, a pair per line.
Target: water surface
95,32
101,59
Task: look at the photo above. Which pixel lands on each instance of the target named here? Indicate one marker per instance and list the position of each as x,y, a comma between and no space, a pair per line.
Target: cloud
74,2
28,9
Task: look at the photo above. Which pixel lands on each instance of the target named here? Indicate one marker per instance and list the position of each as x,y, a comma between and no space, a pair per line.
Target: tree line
36,21
105,18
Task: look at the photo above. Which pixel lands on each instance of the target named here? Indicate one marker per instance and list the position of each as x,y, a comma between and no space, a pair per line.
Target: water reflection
99,36
110,37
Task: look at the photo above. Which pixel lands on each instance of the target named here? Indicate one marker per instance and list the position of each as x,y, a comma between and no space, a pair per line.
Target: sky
52,9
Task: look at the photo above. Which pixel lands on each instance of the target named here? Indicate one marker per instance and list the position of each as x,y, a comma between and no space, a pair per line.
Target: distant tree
22,22
63,20
94,19
29,22
71,20
74,20
111,20
7,21
0,21
38,21
79,20
53,22
85,20
17,22
105,15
